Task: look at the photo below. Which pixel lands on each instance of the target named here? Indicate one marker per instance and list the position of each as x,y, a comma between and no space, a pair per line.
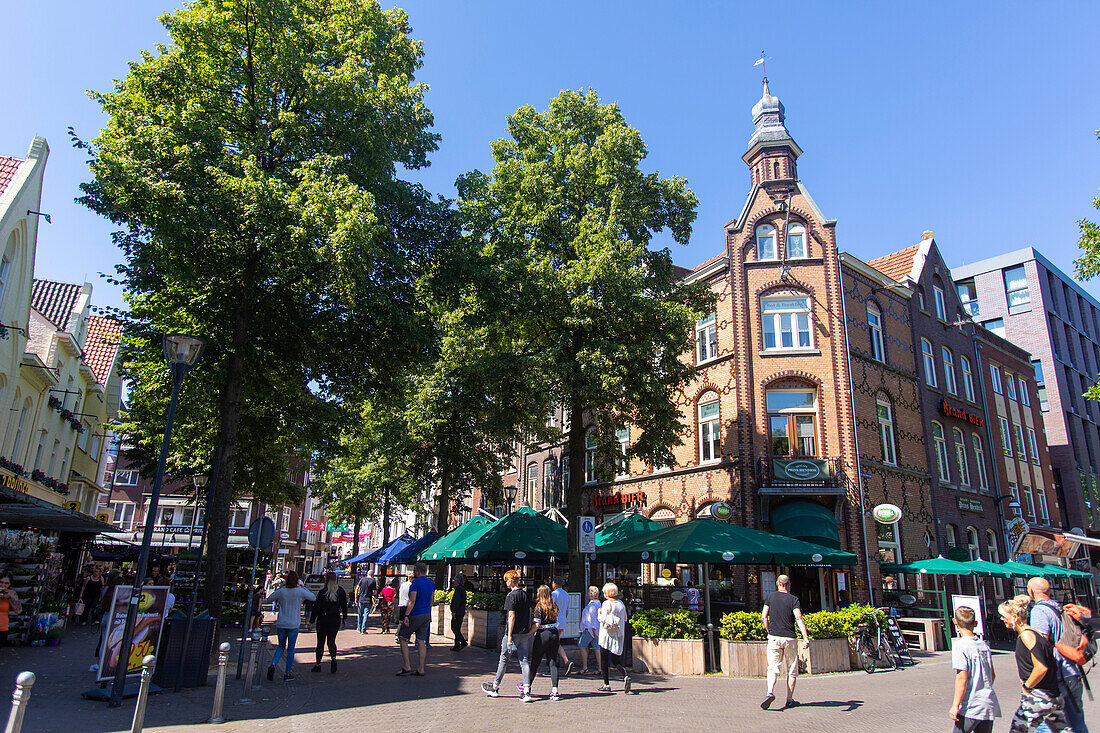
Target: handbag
78,608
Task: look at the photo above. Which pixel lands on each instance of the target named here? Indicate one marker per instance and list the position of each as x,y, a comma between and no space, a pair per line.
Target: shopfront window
792,422
889,542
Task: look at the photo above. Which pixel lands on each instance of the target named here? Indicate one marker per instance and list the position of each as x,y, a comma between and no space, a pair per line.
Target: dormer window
765,242
796,241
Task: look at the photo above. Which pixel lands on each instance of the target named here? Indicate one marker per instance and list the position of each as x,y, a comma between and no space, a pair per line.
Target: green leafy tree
601,319
252,164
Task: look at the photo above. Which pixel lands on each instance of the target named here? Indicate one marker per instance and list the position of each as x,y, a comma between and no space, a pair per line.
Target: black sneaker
288,677
488,689
332,667
767,702
791,704
271,673
316,668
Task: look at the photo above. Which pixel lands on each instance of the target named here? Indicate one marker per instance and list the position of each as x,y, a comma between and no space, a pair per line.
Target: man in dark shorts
782,612
418,620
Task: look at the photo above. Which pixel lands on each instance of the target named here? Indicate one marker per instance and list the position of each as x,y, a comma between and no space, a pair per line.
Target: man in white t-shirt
561,597
403,599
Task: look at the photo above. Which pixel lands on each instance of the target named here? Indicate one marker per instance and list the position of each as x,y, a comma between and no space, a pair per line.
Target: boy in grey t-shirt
975,703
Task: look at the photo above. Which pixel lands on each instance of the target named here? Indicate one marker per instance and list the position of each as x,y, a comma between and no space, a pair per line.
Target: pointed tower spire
772,151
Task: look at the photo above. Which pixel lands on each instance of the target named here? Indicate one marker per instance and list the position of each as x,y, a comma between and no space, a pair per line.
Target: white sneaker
527,697
489,690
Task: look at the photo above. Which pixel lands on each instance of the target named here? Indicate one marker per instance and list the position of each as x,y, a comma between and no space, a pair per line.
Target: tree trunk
574,496
221,493
355,546
443,522
386,518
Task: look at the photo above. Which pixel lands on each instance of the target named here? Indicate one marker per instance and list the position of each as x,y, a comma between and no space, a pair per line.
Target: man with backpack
1047,618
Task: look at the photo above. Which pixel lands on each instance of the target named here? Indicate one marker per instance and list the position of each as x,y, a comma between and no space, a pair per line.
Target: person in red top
9,604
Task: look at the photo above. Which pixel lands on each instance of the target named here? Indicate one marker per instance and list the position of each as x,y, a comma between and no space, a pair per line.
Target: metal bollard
147,665
19,700
219,691
250,669
711,645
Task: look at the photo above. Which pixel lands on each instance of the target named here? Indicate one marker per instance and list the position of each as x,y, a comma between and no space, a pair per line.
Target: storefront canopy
932,566
409,552
358,558
399,543
447,546
25,510
807,521
524,535
629,527
712,541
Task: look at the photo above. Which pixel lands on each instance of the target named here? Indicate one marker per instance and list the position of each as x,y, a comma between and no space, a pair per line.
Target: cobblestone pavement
364,694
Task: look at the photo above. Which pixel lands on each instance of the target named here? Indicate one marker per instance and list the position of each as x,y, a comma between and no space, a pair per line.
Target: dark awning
29,511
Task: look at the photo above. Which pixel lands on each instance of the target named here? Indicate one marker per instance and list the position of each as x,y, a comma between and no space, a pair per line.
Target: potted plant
744,642
484,619
668,642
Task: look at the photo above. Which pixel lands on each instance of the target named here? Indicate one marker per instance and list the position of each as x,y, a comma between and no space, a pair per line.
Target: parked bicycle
873,645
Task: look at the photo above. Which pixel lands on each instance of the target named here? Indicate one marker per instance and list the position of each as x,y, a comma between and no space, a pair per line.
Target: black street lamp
510,496
181,351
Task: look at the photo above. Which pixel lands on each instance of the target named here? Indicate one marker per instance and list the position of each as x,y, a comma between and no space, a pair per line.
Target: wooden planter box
750,658
444,628
483,628
438,612
668,656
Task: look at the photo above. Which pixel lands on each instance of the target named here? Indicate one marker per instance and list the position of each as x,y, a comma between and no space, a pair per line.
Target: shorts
420,624
972,725
783,656
588,640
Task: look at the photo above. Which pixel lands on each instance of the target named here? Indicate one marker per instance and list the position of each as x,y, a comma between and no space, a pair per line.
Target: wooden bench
926,632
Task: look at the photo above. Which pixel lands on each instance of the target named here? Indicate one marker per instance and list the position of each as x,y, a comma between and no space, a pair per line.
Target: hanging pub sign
1015,528
638,497
961,414
801,469
886,514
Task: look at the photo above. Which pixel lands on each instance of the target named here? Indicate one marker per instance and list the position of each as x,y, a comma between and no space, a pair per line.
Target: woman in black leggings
545,640
330,611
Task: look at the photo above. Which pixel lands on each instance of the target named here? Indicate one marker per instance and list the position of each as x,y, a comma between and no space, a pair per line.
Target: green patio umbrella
524,536
712,541
932,566
447,546
989,569
1060,572
1023,570
628,527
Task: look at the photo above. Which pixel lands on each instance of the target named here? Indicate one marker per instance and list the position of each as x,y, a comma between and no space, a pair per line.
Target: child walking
974,705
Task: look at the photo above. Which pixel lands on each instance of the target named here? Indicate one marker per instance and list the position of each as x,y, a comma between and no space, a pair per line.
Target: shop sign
1025,558
14,482
72,506
284,535
1015,528
800,469
718,510
961,414
966,504
886,514
150,617
1082,563
638,497
666,573
284,550
1045,542
332,527
103,517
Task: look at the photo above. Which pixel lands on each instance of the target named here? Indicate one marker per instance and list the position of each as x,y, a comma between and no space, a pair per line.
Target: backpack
1078,640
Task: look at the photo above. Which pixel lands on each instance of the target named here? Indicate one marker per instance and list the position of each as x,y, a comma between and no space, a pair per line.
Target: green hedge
746,626
480,601
658,623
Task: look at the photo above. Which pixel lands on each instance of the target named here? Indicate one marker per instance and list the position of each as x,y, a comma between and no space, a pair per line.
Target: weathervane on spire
762,61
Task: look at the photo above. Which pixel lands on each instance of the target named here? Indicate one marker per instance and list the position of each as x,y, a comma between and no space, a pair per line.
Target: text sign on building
587,529
966,504
801,469
960,414
638,497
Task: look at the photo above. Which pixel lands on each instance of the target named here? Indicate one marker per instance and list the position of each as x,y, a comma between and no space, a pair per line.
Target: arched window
979,460
532,483
622,466
663,516
796,241
547,484
929,362
765,242
960,457
949,371
886,431
941,305
972,544
710,441
941,452
775,169
874,326
952,538
590,457
786,322
967,378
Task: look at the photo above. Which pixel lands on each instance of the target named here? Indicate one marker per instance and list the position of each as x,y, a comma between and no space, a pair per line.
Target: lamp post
181,351
510,496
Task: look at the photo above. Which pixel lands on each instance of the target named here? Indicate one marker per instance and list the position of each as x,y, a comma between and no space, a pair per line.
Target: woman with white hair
329,613
612,618
1040,701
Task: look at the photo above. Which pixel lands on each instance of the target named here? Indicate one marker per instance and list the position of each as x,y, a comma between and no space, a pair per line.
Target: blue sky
975,120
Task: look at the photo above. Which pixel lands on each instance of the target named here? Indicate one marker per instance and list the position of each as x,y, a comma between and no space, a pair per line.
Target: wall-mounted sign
800,469
958,554
886,514
13,482
1046,542
284,535
666,573
1015,528
313,525
966,504
72,506
587,529
960,414
717,510
103,517
333,527
284,550
638,497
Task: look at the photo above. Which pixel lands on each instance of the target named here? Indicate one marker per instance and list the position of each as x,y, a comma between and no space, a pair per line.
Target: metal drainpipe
855,433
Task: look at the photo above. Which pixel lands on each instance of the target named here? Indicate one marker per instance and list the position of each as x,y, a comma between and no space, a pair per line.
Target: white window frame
1010,385
949,371
929,360
710,431
1006,436
799,320
531,483
941,304
766,233
1025,398
961,463
995,378
622,465
706,338
973,543
1044,510
82,438
1033,443
1029,497
590,457
979,459
886,431
874,327
1010,292
967,378
547,483
795,229
942,459
1021,448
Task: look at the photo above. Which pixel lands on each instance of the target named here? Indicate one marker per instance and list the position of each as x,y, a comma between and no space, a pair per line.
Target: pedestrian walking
365,591
516,636
590,631
256,617
89,593
330,612
458,612
974,705
1040,702
388,594
612,618
561,597
417,620
287,622
545,641
782,613
1046,618
402,597
9,604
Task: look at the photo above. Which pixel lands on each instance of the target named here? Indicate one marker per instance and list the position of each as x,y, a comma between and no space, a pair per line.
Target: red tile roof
54,300
896,265
8,167
101,346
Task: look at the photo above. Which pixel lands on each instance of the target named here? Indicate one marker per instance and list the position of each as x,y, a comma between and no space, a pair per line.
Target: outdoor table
929,630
